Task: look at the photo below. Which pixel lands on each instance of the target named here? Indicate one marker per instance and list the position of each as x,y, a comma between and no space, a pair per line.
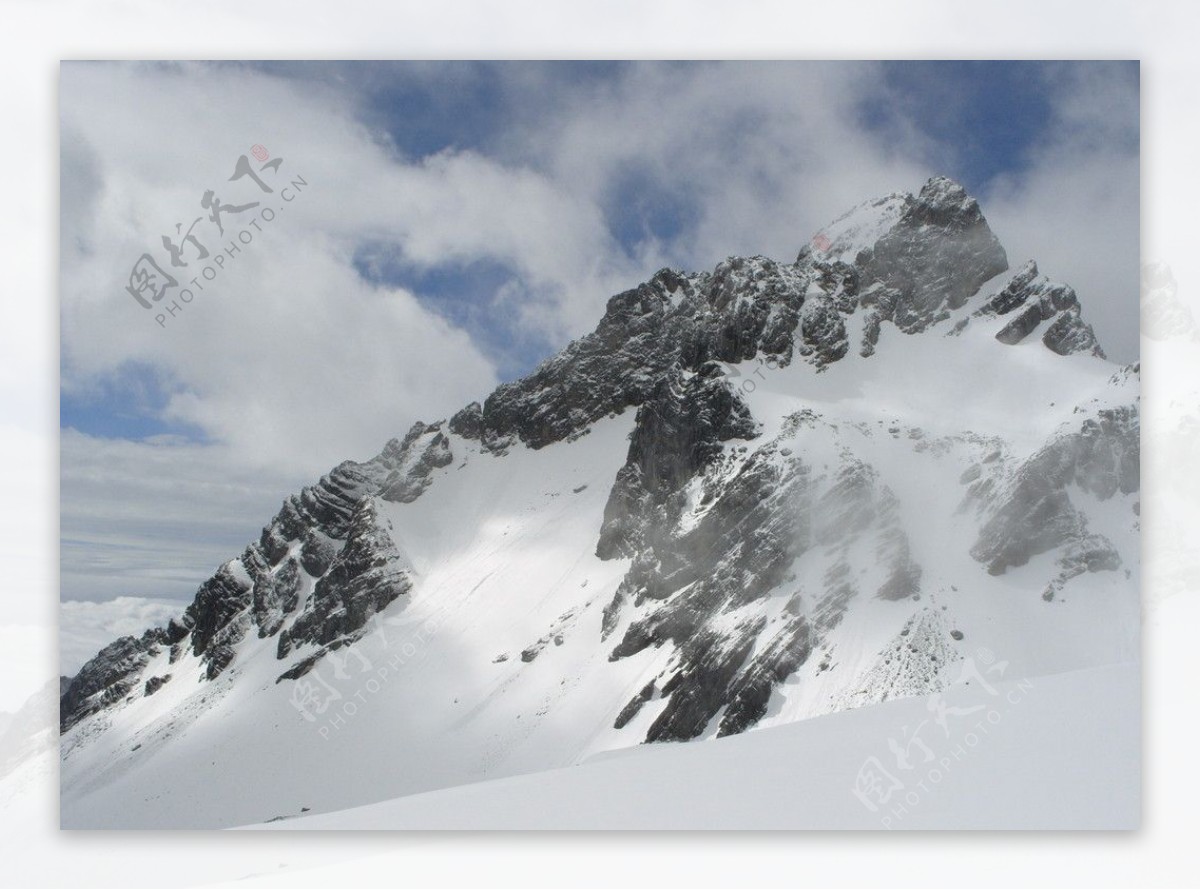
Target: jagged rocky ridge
1031,300
324,561
710,526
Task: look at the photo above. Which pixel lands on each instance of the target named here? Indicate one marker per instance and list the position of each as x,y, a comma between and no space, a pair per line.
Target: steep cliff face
323,566
749,496
1030,300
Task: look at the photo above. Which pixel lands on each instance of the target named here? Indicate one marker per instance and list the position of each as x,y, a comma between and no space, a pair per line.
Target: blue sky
985,118
126,404
466,220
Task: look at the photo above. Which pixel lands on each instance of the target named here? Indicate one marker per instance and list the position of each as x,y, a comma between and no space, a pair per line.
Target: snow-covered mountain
1079,724
749,497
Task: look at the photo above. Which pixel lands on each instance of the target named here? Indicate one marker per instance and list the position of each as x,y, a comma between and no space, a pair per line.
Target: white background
38,33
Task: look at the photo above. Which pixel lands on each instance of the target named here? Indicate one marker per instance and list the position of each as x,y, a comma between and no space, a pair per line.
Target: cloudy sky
451,224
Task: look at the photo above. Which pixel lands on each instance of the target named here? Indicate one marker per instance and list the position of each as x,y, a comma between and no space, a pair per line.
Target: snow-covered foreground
1057,752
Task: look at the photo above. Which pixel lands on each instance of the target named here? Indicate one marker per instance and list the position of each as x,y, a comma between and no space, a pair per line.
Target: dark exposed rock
611,614
745,308
177,630
737,553
1033,521
109,677
221,650
408,481
849,506
1092,554
751,690
1014,294
772,510
1070,334
634,706
1022,326
679,431
937,256
317,552
366,575
612,368
1040,300
1089,553
468,422
276,595
214,614
823,333
892,552
306,664
156,683
303,666
553,635
839,590
328,506
904,574
711,663
872,325
1036,514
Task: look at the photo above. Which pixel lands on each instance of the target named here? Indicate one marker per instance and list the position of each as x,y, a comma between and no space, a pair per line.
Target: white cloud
287,355
767,153
156,518
1076,209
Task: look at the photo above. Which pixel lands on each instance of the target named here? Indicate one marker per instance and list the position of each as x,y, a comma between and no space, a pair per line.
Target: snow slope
1003,767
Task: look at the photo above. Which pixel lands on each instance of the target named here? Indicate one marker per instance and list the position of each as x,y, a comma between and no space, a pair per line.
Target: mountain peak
943,202
942,190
